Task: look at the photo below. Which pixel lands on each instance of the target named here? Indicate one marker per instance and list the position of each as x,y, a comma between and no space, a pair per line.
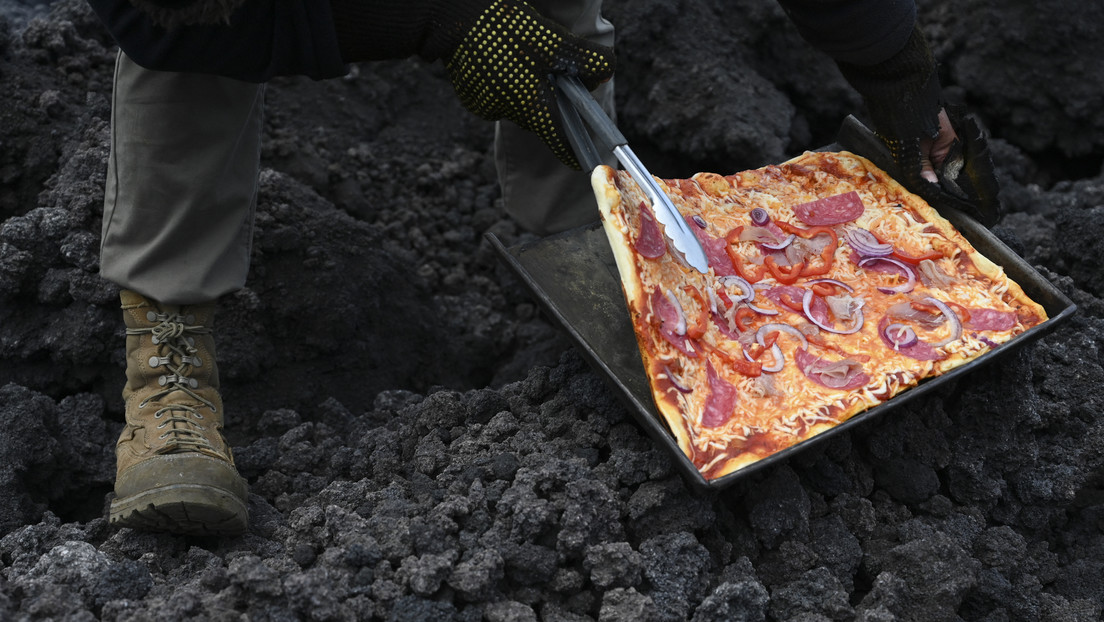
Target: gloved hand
963,178
903,97
501,67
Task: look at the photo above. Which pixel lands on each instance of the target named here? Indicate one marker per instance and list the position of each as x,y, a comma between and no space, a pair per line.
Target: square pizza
831,289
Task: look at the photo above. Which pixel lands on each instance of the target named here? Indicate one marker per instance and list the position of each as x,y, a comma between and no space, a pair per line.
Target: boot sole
187,509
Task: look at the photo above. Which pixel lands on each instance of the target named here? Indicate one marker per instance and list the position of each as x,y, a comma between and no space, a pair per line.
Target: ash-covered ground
422,444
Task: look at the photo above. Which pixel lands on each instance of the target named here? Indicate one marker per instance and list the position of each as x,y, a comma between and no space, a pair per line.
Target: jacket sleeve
863,32
881,51
263,39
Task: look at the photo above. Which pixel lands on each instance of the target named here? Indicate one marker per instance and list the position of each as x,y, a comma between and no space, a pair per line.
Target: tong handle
578,105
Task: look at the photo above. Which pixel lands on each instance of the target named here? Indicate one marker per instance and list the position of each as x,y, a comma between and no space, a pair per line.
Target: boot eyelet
151,316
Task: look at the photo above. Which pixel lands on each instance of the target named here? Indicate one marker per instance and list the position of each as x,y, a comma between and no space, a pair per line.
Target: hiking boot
175,471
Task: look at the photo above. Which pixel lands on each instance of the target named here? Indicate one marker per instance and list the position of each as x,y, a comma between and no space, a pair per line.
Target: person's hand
934,150
501,67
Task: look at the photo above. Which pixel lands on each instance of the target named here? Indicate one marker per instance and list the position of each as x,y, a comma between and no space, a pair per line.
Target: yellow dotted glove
501,69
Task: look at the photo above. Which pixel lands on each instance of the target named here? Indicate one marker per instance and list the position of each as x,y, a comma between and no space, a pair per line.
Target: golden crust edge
609,200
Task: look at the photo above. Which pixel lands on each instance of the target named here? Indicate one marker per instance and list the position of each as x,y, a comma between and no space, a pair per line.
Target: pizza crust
760,423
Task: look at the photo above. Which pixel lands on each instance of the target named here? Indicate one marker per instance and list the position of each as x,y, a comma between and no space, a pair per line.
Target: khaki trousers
185,156
181,183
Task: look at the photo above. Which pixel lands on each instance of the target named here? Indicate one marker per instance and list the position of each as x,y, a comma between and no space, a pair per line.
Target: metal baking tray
573,276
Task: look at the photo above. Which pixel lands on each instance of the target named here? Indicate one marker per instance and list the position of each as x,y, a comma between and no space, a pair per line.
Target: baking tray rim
642,408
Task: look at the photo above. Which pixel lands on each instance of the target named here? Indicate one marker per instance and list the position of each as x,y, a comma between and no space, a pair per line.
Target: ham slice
844,375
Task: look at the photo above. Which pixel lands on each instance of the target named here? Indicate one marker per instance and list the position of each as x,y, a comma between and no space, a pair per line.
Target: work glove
904,98
501,68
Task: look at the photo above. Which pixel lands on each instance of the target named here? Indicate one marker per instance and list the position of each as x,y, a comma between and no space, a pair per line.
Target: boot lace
177,354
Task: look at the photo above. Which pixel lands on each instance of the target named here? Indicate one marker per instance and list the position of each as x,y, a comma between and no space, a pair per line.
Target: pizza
831,289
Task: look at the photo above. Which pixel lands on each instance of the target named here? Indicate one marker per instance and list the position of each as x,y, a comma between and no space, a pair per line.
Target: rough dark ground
422,445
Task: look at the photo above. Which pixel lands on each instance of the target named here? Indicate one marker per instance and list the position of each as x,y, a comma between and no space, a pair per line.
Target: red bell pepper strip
740,313
749,275
697,327
785,276
827,255
909,259
740,364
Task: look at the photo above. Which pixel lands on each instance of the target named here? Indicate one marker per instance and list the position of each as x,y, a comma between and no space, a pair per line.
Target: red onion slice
715,303
766,329
778,363
866,244
807,299
761,310
900,335
781,245
747,292
832,282
779,360
680,328
759,217
903,288
679,385
956,323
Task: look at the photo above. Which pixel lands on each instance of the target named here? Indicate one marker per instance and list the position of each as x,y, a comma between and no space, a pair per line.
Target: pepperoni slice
649,240
831,210
721,401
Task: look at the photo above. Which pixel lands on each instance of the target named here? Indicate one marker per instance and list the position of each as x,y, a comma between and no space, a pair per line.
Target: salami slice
715,252
721,400
722,325
649,240
831,210
990,319
669,317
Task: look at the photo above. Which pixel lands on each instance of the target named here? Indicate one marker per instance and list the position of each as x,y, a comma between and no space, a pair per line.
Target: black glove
501,66
904,98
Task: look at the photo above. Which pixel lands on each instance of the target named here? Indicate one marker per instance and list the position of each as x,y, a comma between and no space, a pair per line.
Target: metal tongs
576,105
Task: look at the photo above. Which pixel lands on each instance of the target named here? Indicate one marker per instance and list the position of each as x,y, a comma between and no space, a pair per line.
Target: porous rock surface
422,444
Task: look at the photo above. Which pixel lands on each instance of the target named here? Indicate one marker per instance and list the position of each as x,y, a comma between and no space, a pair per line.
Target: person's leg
538,191
181,183
178,217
